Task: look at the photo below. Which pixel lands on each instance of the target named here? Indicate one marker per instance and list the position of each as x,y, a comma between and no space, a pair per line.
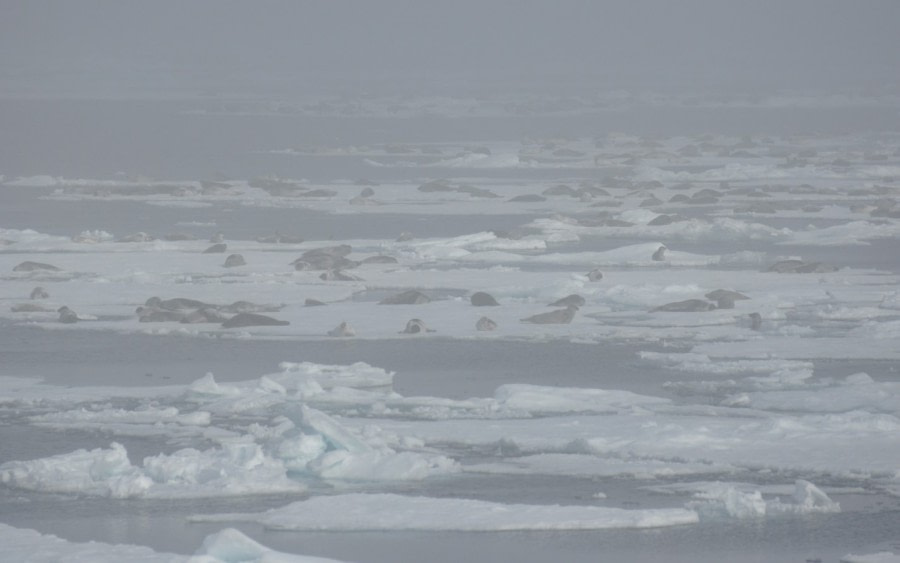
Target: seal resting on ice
726,293
39,293
205,315
660,254
323,262
234,260
252,319
325,258
482,299
415,326
217,248
29,266
485,324
337,275
755,321
686,306
409,297
67,315
176,304
157,315
557,317
379,259
248,307
342,330
574,299
595,275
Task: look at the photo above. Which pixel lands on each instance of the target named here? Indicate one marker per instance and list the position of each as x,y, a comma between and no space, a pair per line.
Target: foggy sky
331,46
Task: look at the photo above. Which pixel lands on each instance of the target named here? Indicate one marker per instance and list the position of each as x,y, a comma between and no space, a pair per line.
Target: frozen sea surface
762,427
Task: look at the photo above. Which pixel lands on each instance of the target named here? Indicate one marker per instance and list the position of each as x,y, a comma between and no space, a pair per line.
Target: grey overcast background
190,48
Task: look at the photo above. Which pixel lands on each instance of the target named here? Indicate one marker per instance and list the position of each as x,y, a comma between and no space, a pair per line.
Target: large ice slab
373,512
227,546
238,468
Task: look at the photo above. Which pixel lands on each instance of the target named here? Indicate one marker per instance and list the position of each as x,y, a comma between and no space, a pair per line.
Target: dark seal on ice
157,315
67,315
205,315
218,248
560,316
337,275
29,266
234,260
686,306
569,300
482,299
485,324
409,297
717,294
415,326
176,304
252,319
39,293
755,321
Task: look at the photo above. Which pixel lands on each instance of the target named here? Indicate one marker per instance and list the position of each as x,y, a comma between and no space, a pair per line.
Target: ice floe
800,228
372,512
226,546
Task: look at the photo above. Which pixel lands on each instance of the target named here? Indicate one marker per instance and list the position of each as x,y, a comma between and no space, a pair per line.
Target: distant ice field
450,329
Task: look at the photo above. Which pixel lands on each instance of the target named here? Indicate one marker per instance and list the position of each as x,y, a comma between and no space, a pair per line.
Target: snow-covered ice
779,405
393,512
226,546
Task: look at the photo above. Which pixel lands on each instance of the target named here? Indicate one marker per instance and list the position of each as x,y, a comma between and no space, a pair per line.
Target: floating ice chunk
382,512
235,469
852,233
145,415
93,237
728,502
207,386
25,545
593,466
297,452
540,399
226,546
268,385
882,330
333,452
381,465
359,374
856,392
99,472
807,498
232,546
38,181
724,500
775,374
335,435
891,301
880,557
